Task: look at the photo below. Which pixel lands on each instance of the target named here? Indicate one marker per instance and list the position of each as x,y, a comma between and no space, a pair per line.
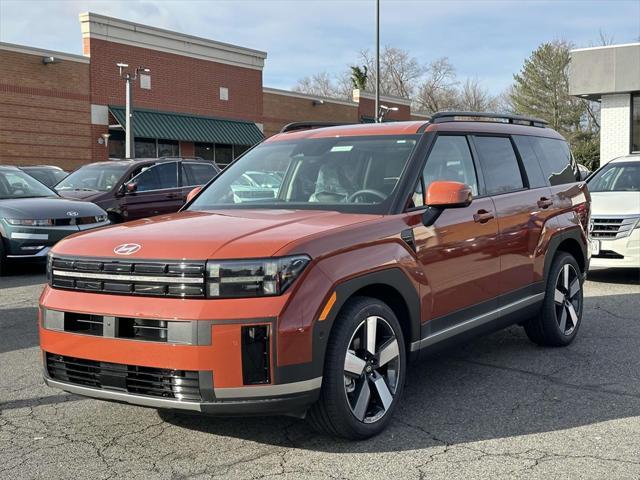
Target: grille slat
141,278
612,228
148,381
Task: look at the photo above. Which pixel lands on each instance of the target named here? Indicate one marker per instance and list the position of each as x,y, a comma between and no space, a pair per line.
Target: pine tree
541,89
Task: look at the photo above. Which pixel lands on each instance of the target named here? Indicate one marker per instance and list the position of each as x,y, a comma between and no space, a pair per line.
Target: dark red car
132,189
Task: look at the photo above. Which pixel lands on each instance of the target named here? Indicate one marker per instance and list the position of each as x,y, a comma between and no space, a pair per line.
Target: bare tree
438,91
399,71
475,98
320,84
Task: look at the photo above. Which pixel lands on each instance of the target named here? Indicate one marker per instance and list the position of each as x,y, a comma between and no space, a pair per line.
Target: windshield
16,184
355,174
616,177
99,178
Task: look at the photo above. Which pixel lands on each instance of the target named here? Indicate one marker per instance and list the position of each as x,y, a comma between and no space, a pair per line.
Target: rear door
523,206
157,192
458,254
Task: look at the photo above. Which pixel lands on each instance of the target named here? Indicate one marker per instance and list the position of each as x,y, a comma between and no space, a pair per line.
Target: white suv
615,213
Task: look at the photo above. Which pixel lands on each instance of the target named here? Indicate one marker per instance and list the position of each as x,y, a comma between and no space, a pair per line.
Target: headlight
253,277
29,223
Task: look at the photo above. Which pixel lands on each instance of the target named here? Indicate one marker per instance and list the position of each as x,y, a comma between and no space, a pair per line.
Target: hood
46,207
203,235
615,203
87,195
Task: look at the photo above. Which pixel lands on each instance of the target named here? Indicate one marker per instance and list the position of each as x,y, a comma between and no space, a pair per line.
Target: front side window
450,159
616,177
20,185
340,173
157,177
99,177
499,165
555,159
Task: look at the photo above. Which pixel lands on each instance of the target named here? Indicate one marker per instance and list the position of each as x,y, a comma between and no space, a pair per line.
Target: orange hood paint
202,235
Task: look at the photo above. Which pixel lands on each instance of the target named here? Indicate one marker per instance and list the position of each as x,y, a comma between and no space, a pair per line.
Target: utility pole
130,151
377,107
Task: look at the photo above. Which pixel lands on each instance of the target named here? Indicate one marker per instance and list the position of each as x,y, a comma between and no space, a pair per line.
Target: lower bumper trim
282,400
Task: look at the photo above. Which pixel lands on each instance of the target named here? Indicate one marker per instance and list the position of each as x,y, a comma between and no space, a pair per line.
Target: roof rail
441,117
295,126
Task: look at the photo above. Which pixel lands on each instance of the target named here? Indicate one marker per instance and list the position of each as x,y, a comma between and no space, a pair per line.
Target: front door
157,192
460,261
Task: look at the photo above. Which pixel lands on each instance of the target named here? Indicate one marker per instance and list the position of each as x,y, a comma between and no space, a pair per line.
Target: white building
611,75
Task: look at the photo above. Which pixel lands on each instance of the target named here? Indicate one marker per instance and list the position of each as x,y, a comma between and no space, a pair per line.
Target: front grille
605,228
152,382
146,278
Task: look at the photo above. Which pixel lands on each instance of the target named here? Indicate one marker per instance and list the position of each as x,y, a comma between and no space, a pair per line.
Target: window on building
635,123
499,165
145,148
224,93
204,150
168,148
239,150
223,155
116,144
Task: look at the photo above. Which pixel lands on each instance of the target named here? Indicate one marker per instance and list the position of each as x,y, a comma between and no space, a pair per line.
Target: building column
615,126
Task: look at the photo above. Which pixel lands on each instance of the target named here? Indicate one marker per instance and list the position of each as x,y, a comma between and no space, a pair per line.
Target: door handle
482,216
545,202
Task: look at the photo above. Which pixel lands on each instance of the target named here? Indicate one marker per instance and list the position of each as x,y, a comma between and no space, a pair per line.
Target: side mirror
193,193
131,187
445,194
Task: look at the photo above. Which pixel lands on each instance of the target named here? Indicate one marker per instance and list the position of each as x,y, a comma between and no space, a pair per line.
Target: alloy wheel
372,369
567,299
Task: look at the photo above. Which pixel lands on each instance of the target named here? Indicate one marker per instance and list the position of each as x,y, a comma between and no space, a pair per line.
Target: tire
561,314
350,371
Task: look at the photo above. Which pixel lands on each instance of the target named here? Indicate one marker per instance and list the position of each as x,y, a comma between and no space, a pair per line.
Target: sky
484,39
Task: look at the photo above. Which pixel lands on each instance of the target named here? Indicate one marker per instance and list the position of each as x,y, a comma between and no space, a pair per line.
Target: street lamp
377,106
128,129
382,112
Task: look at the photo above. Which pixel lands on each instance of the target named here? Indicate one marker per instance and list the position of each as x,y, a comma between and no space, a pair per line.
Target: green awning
189,128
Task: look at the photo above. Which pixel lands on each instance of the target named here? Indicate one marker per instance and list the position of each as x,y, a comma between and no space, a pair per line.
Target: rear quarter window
535,175
555,159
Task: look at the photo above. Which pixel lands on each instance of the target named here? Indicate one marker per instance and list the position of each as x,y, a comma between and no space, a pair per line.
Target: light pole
377,107
128,128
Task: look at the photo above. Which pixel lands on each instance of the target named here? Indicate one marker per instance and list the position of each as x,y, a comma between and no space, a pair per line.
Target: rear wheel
561,314
364,371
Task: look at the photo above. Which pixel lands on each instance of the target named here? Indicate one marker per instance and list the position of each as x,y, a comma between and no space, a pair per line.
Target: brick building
201,97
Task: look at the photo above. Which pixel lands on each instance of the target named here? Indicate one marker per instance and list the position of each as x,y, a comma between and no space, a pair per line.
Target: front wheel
364,371
561,314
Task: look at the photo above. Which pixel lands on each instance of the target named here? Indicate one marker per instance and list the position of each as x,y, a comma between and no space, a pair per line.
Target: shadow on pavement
38,401
497,386
628,276
23,275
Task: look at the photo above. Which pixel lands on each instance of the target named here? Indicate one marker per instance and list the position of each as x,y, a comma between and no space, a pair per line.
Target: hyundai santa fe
381,243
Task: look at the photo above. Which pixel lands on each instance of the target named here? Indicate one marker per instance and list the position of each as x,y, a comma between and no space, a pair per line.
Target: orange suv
382,242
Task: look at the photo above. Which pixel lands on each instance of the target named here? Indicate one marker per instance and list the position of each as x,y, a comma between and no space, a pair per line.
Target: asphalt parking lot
499,407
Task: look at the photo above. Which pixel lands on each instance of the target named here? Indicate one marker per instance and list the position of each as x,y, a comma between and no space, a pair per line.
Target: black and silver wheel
561,314
364,371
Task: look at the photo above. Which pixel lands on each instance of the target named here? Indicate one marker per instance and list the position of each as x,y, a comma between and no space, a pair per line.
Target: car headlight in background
253,277
30,223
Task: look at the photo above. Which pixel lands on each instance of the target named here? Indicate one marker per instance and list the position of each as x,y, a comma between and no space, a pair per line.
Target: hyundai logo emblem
71,213
127,249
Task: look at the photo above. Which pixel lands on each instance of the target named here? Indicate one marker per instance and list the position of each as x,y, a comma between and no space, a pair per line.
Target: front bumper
619,253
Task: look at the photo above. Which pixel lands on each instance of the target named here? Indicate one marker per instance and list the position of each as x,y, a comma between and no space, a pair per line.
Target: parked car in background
33,217
615,217
383,242
132,189
48,175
